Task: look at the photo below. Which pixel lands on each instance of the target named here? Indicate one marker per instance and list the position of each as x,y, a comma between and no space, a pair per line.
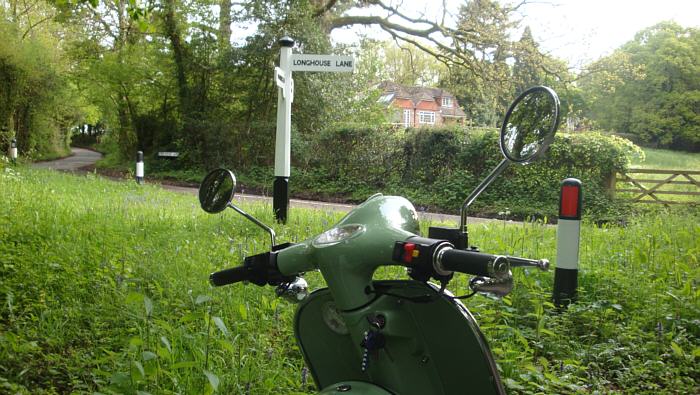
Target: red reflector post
568,241
570,199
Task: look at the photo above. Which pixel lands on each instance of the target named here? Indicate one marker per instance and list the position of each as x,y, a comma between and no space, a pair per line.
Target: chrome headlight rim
338,234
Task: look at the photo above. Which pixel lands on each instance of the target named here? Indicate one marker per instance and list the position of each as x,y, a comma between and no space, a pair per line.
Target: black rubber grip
229,276
470,262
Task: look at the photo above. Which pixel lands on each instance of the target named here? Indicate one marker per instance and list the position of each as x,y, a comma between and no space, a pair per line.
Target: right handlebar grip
474,263
229,276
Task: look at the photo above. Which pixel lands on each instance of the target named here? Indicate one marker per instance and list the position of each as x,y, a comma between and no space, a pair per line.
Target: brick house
416,106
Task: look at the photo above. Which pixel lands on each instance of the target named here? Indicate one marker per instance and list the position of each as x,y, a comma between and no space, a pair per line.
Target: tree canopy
38,104
650,87
185,75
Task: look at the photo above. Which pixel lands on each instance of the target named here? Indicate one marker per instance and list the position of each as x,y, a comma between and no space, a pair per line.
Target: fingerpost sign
285,96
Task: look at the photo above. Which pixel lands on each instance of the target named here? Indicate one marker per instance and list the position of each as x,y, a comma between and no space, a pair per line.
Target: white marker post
13,150
568,240
139,167
283,78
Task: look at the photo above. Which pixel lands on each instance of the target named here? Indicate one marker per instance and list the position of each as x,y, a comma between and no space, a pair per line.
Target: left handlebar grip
229,276
472,262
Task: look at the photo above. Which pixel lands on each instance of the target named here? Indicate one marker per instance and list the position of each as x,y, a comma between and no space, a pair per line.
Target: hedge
437,168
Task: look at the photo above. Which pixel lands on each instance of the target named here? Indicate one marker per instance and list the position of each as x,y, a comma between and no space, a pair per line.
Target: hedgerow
437,167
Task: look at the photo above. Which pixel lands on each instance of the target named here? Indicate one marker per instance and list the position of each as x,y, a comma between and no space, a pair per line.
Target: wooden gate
649,186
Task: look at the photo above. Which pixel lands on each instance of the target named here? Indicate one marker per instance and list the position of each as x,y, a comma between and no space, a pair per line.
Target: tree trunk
173,32
225,26
190,129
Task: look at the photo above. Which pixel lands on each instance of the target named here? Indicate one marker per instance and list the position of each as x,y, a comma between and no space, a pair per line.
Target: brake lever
497,286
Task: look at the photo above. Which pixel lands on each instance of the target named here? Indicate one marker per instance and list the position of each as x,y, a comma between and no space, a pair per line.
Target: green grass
667,159
103,289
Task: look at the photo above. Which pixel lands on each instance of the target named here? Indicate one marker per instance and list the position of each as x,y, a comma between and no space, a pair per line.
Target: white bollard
13,150
139,167
568,240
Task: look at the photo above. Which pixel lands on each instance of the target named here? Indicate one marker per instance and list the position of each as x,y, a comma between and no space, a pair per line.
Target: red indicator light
408,249
569,201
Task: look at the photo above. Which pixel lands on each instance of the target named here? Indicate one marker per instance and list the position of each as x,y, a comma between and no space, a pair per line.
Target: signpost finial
286,41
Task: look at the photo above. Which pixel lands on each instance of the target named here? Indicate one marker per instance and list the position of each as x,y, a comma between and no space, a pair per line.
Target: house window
447,102
426,117
407,118
386,99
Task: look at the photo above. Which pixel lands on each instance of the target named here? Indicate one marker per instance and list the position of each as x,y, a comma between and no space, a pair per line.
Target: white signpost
283,78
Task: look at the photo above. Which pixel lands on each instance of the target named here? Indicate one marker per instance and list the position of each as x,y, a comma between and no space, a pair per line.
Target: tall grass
103,289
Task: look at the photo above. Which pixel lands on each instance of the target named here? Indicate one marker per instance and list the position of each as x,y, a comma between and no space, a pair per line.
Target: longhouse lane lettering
309,62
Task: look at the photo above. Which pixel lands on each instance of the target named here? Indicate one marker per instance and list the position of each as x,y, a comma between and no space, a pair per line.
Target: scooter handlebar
229,276
260,269
471,262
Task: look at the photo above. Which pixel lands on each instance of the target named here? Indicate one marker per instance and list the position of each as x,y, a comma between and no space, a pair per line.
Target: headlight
338,234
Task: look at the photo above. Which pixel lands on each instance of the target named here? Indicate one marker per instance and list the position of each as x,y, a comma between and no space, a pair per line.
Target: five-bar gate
652,185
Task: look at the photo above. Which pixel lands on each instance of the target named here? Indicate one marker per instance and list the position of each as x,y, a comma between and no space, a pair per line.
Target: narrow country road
81,157
84,157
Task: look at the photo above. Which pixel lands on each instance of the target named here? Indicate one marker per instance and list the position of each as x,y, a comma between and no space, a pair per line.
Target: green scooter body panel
433,345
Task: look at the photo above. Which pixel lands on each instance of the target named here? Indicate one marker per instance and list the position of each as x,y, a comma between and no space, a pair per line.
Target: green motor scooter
366,336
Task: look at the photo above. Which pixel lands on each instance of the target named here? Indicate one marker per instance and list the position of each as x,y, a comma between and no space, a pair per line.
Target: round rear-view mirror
530,124
216,190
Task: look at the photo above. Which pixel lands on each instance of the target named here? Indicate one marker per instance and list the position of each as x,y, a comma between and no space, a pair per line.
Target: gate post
611,184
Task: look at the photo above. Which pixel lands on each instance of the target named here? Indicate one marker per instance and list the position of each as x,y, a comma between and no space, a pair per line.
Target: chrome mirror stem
480,188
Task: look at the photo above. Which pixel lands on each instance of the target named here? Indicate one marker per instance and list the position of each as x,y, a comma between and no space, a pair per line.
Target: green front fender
432,347
353,387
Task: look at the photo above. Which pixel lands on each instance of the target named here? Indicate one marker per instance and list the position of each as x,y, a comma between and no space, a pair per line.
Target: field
103,290
667,159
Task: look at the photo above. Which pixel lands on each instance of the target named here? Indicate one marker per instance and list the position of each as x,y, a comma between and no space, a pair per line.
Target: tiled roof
420,93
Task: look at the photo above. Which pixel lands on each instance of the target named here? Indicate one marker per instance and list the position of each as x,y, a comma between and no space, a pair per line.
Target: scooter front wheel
353,387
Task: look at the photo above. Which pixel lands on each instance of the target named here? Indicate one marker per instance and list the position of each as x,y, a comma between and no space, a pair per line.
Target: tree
650,87
118,66
172,77
484,89
409,65
37,102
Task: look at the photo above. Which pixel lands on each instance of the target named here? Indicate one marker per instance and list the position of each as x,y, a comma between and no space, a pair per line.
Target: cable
464,296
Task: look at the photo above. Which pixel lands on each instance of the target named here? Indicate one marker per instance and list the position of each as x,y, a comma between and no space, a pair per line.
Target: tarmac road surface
81,157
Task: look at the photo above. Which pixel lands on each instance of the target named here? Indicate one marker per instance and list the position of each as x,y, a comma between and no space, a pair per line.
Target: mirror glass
530,124
217,190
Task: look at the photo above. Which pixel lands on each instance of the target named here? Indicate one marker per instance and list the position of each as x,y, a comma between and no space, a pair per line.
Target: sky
581,31
578,31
